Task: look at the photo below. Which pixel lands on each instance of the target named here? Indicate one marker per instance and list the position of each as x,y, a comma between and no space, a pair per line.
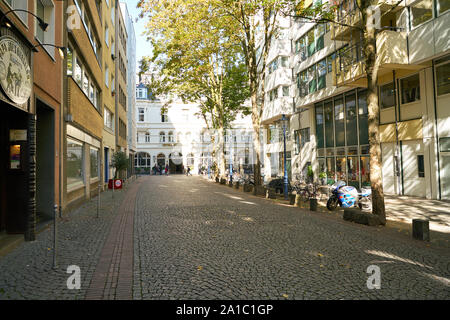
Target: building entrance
14,169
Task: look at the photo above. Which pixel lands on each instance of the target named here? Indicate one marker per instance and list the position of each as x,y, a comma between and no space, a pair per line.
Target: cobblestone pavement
196,239
27,272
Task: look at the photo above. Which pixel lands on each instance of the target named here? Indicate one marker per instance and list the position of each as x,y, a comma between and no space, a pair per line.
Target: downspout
397,150
436,131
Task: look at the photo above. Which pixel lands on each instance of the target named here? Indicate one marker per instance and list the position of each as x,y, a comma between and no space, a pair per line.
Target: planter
270,193
313,204
236,185
292,198
259,191
248,188
118,183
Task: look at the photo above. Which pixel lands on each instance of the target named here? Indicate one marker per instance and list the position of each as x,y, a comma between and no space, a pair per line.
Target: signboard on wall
15,72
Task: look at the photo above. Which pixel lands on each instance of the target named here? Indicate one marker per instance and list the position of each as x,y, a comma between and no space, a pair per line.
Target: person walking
188,172
167,170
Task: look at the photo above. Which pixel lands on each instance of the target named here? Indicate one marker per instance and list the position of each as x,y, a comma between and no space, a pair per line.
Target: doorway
45,162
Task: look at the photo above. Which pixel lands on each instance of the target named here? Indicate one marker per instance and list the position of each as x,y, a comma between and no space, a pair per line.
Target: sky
143,47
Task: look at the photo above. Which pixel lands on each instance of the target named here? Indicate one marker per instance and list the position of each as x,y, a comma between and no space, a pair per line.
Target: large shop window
443,79
319,127
95,163
351,122
410,89
363,112
329,130
75,168
339,122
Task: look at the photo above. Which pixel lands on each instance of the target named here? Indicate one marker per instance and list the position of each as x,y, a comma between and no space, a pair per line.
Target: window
442,6
74,164
387,96
85,83
106,76
285,91
20,4
312,81
69,61
107,36
339,125
311,42
95,163
162,137
421,11
108,118
443,79
78,72
410,89
302,83
320,32
284,62
170,136
300,48
330,60
164,117
321,74
305,136
40,13
141,114
421,166
147,137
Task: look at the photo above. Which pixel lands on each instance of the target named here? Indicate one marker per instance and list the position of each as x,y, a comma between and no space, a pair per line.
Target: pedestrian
188,172
167,170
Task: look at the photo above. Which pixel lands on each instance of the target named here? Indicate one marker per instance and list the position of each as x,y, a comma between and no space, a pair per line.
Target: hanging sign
15,72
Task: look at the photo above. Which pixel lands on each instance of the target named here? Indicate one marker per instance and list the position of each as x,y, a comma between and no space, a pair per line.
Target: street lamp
61,50
230,150
42,23
284,122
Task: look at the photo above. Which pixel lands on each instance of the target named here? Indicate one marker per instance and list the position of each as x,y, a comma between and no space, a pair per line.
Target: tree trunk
376,182
221,152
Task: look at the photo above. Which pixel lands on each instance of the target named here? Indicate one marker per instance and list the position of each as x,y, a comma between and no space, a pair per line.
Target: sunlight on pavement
442,280
392,256
247,202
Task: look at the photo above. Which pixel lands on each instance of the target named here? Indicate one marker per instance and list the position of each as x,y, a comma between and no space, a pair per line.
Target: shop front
17,136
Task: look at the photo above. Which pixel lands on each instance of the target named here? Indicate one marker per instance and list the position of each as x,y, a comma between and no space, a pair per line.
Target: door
445,176
413,168
388,165
106,162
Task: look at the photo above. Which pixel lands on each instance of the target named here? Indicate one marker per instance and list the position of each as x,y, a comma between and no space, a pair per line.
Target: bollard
55,215
421,229
98,199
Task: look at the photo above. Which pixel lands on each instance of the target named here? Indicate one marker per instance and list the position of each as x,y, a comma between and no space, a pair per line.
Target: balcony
392,54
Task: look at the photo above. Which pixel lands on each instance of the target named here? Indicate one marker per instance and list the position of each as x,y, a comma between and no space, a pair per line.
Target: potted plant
323,177
310,174
119,162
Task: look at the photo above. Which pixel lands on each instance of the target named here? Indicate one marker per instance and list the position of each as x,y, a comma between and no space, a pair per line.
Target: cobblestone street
194,239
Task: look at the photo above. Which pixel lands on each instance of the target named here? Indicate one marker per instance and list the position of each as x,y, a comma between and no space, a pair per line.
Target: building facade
30,113
131,85
171,133
329,125
83,88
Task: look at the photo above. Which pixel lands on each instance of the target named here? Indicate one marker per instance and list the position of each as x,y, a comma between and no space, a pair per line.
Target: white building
173,134
329,117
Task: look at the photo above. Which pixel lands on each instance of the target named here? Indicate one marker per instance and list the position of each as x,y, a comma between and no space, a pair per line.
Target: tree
198,60
253,18
326,12
119,162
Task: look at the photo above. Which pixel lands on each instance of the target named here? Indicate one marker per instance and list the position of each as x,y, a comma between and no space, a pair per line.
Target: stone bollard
313,204
292,199
270,193
298,200
421,229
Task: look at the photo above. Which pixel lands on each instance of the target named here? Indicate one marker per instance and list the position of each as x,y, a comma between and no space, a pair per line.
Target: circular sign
118,183
15,73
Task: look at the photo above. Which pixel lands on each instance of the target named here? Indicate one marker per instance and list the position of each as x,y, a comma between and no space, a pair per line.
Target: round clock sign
15,73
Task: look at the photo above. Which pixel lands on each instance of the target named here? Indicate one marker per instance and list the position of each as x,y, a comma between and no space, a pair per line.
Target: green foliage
119,161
